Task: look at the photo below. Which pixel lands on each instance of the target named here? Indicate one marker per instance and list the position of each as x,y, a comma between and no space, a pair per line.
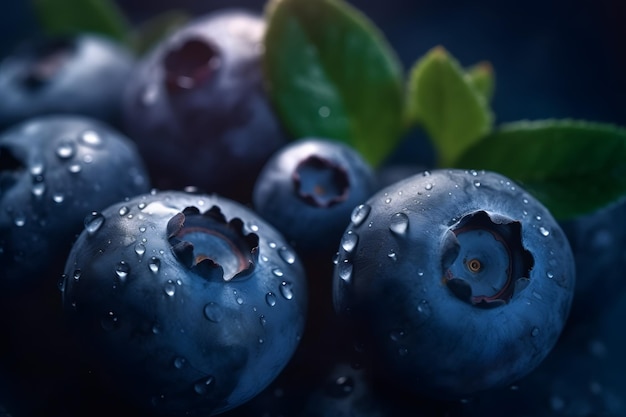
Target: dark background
551,58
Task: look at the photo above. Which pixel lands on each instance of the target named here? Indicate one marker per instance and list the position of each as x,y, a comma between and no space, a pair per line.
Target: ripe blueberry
308,190
197,108
458,282
81,74
190,304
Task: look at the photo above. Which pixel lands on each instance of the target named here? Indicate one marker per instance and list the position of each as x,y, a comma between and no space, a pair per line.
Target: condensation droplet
140,249
123,211
203,386
399,223
179,362
359,214
122,269
169,288
286,290
550,274
58,198
270,299
110,321
91,138
544,231
74,168
93,222
213,312
154,264
19,220
392,255
287,255
277,272
534,332
349,241
428,187
344,269
39,189
476,183
65,150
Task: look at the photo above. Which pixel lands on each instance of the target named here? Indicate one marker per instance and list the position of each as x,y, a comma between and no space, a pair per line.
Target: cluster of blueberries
167,249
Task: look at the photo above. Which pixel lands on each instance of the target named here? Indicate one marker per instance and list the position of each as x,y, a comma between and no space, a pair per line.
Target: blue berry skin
81,74
191,304
197,107
55,170
308,190
459,282
597,240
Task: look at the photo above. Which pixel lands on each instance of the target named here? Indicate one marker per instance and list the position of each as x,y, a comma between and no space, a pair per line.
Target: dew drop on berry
19,220
277,272
179,362
270,299
154,264
428,186
544,231
58,198
213,312
91,138
140,249
93,222
122,269
38,189
286,290
344,269
75,168
341,387
65,150
359,214
349,241
169,288
123,211
110,321
203,386
392,255
399,223
287,255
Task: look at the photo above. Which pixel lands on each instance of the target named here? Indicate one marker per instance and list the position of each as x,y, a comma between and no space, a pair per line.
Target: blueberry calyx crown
212,247
320,182
485,263
46,61
190,65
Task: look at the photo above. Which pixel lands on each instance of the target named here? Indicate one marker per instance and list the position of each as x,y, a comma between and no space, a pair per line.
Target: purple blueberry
197,107
190,304
81,74
457,282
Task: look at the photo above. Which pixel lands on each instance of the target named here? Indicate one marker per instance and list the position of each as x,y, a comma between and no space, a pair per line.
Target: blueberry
197,107
191,304
308,190
54,170
597,242
459,282
79,74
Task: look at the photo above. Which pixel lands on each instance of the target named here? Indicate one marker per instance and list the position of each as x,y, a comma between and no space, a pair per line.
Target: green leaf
448,106
330,73
573,167
146,35
58,17
482,78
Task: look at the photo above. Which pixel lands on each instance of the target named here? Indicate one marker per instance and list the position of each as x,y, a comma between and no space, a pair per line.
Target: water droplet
476,183
154,264
202,387
341,387
349,241
277,272
77,274
392,255
550,274
544,231
286,290
122,270
65,150
397,335
538,217
179,362
213,312
38,189
140,249
91,138
74,168
359,214
287,255
58,198
169,288
262,320
387,200
110,321
253,227
19,220
270,299
399,223
428,186
534,332
123,211
142,229
93,222
344,269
